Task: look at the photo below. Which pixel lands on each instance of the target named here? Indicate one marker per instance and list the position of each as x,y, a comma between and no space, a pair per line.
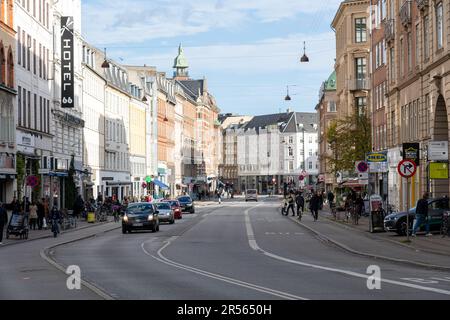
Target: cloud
113,21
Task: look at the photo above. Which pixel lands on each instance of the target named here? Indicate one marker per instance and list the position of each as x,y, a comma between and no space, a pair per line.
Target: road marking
254,245
161,258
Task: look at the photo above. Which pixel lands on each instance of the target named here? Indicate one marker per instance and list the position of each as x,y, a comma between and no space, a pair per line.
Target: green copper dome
180,60
330,84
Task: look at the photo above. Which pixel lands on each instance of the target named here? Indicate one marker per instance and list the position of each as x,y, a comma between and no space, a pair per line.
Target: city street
236,251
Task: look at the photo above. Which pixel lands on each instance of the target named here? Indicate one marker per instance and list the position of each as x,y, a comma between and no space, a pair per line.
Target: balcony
422,4
389,30
405,13
362,84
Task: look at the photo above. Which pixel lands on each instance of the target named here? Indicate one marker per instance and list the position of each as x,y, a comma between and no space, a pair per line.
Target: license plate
138,224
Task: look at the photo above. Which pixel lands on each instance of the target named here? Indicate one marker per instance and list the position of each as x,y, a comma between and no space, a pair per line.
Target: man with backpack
300,201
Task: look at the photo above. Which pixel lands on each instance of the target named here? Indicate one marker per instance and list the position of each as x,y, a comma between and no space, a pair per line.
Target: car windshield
251,191
184,199
144,208
163,206
173,203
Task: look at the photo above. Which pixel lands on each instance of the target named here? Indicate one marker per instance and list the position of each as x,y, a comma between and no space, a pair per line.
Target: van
251,195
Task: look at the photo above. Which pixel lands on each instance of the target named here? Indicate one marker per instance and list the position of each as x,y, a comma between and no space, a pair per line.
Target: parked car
140,216
251,195
187,204
165,214
436,207
176,207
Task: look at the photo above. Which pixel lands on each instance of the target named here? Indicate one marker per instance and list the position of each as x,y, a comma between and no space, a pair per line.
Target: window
361,68
417,44
34,56
29,109
29,53
24,52
40,60
19,47
291,152
426,39
310,153
360,30
310,165
402,59
392,64
361,104
19,104
331,106
24,106
2,65
35,113
440,25
409,51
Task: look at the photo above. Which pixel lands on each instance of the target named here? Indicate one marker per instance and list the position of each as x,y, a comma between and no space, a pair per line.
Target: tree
20,168
350,140
70,187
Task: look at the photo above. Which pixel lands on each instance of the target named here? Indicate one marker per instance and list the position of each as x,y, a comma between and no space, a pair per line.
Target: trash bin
91,217
376,221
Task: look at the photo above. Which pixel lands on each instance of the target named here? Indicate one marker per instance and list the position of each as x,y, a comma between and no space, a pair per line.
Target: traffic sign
407,168
362,167
32,181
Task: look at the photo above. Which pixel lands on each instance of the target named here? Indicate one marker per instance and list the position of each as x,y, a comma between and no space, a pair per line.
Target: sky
249,51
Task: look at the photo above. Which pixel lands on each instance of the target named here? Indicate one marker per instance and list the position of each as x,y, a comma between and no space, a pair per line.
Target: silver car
251,195
166,214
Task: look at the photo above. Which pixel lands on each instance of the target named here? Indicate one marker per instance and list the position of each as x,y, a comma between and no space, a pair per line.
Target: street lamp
304,58
105,64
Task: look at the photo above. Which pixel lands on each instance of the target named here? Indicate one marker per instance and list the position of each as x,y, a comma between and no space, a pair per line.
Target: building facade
8,94
327,113
34,103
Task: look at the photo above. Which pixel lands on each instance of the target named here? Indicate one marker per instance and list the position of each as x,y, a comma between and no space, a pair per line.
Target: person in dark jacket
300,201
315,205
78,206
3,220
41,214
422,215
291,204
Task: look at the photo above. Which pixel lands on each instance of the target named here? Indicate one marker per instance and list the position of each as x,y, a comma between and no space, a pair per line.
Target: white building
94,117
273,151
34,103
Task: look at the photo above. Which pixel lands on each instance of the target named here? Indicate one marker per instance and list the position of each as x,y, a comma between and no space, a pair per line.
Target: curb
388,240
44,253
51,236
369,255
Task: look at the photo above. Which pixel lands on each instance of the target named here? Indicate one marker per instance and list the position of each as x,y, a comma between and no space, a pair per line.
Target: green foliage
350,140
70,187
35,171
20,168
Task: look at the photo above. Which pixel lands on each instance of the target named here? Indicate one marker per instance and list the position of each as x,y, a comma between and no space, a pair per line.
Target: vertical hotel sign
67,63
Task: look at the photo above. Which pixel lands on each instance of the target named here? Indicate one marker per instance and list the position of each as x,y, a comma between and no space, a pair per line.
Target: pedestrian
3,221
330,198
291,203
321,199
314,206
41,214
300,201
422,215
33,215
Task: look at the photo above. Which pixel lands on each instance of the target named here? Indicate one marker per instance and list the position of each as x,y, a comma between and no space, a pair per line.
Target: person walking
291,203
330,198
78,206
33,216
315,205
3,221
41,214
300,201
422,215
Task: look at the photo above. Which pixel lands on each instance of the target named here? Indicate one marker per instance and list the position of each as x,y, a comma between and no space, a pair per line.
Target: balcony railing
389,30
360,84
405,13
422,4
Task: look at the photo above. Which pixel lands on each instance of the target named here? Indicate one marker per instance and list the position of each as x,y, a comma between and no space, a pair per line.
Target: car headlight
125,218
150,217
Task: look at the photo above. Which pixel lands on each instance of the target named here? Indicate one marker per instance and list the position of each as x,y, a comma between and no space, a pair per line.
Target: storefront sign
378,162
439,171
411,151
438,151
67,63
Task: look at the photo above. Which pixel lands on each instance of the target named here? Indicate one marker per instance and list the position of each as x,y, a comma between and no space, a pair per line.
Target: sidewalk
42,234
426,252
436,244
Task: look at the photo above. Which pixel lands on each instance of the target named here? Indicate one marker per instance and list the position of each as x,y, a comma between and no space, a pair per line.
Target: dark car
140,216
187,204
436,208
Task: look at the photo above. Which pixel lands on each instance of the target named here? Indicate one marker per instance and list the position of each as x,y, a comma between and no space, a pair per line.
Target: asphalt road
236,251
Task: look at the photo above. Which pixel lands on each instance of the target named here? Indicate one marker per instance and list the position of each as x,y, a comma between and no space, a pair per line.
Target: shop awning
160,184
352,184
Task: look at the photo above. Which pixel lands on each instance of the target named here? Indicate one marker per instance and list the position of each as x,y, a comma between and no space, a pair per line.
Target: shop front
7,177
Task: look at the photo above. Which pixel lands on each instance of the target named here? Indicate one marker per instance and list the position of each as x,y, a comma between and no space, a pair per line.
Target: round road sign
363,167
407,168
